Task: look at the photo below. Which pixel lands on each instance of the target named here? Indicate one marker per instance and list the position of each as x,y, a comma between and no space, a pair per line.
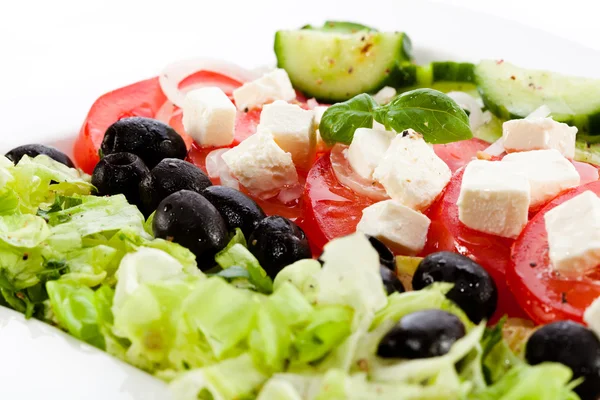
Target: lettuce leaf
235,378
74,307
350,276
236,254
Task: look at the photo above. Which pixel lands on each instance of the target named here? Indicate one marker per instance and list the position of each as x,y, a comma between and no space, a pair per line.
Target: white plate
38,361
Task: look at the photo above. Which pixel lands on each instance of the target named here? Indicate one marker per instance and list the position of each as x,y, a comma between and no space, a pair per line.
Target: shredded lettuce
235,254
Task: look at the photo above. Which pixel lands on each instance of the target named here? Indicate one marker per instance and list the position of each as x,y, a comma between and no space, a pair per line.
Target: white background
57,56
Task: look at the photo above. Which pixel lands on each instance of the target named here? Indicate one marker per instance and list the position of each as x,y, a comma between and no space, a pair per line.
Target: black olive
386,257
278,242
390,281
120,173
238,210
169,176
33,150
474,289
147,138
573,345
188,218
422,334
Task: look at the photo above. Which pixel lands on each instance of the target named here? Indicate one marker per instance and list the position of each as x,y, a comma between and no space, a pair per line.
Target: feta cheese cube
591,316
292,128
385,95
411,172
209,117
401,228
493,199
261,165
321,145
547,171
539,134
367,149
274,85
573,229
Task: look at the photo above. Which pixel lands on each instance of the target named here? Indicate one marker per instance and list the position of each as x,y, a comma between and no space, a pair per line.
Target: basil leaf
341,120
431,113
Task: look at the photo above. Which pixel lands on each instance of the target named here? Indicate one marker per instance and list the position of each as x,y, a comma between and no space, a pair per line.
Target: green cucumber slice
513,92
340,26
333,66
445,76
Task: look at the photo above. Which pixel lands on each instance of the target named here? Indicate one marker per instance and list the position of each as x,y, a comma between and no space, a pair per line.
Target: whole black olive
120,173
238,210
474,289
188,218
391,283
169,176
573,345
278,242
422,334
149,139
386,257
33,150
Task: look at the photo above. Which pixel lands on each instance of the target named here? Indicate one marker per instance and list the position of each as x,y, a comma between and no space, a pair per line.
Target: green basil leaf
341,120
431,113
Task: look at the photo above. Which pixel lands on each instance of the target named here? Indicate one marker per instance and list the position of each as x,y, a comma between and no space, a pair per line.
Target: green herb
341,120
431,113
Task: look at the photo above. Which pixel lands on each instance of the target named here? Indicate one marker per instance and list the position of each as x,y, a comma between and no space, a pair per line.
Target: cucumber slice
340,26
334,66
445,76
513,92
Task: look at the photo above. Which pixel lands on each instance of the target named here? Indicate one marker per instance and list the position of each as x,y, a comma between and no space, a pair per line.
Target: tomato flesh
330,209
458,154
544,295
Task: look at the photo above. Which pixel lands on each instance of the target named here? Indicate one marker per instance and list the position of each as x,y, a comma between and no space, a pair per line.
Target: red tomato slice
142,99
330,209
458,154
491,252
545,296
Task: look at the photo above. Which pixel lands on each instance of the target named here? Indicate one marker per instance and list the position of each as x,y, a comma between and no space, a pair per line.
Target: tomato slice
491,252
544,295
141,99
458,154
330,209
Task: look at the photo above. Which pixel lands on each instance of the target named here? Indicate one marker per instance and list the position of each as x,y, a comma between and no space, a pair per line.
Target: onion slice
349,178
175,73
542,111
496,148
477,117
216,168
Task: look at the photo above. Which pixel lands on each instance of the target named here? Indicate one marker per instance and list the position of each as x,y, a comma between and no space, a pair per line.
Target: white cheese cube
411,172
367,149
574,234
539,134
321,145
493,199
292,128
209,117
385,95
261,165
547,171
402,229
591,316
274,85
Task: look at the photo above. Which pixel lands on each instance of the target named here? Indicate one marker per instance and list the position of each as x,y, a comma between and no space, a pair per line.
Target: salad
348,225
